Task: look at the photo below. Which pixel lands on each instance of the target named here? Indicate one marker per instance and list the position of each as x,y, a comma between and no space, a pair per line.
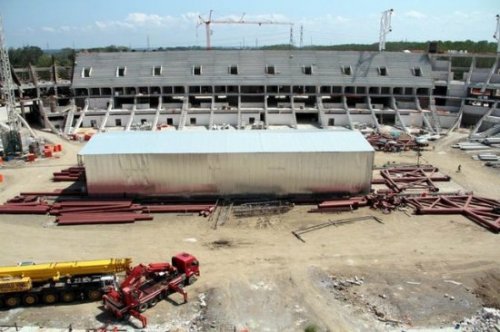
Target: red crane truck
145,285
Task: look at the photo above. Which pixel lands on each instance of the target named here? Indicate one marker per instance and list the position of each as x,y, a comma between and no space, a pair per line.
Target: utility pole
208,22
11,139
385,28
497,34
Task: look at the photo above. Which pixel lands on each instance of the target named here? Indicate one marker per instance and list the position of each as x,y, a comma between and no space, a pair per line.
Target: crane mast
497,34
385,28
12,139
209,21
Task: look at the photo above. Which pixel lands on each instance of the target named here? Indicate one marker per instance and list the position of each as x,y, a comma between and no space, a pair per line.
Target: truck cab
187,264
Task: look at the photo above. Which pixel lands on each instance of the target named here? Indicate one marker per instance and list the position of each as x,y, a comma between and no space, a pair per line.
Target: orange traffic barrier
1,177
47,153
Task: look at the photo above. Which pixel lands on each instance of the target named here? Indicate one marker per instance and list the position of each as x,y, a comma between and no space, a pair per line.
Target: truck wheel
142,307
94,295
30,299
153,302
67,297
191,280
12,301
125,317
49,298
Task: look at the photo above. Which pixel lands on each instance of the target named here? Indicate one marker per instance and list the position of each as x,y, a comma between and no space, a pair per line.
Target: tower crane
497,34
385,28
11,136
209,21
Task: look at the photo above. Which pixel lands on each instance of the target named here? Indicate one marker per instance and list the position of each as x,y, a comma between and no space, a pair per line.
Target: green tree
44,61
21,57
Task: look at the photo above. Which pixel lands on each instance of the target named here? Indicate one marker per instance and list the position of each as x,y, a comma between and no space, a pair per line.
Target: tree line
23,56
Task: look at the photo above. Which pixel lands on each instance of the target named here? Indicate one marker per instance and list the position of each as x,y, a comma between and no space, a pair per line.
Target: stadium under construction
245,89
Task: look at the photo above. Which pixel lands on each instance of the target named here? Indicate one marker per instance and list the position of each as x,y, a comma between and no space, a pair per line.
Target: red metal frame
399,179
483,211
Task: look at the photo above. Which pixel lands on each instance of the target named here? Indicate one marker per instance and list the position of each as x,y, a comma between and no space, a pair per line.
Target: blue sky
90,23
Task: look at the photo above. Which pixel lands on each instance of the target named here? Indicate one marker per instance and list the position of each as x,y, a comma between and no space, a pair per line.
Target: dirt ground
407,272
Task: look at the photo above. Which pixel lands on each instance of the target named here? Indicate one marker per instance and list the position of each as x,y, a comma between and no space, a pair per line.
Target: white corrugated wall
230,173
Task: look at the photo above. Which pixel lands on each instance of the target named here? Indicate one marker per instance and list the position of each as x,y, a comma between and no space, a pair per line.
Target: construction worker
459,169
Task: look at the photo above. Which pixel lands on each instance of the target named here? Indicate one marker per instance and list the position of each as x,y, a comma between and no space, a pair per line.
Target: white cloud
63,28
190,17
101,25
112,24
341,19
66,28
415,14
460,14
86,28
325,21
142,19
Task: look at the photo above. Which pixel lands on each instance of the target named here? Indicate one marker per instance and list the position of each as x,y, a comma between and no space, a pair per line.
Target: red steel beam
18,209
81,203
57,192
107,209
176,208
106,218
93,216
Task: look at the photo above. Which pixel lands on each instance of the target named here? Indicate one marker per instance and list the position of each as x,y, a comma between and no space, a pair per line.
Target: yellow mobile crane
49,283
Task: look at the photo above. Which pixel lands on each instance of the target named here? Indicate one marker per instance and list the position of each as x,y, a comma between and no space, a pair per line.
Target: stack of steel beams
76,173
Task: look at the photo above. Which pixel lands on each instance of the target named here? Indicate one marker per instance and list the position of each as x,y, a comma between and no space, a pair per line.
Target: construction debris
388,143
297,233
341,284
384,202
341,205
262,208
486,319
